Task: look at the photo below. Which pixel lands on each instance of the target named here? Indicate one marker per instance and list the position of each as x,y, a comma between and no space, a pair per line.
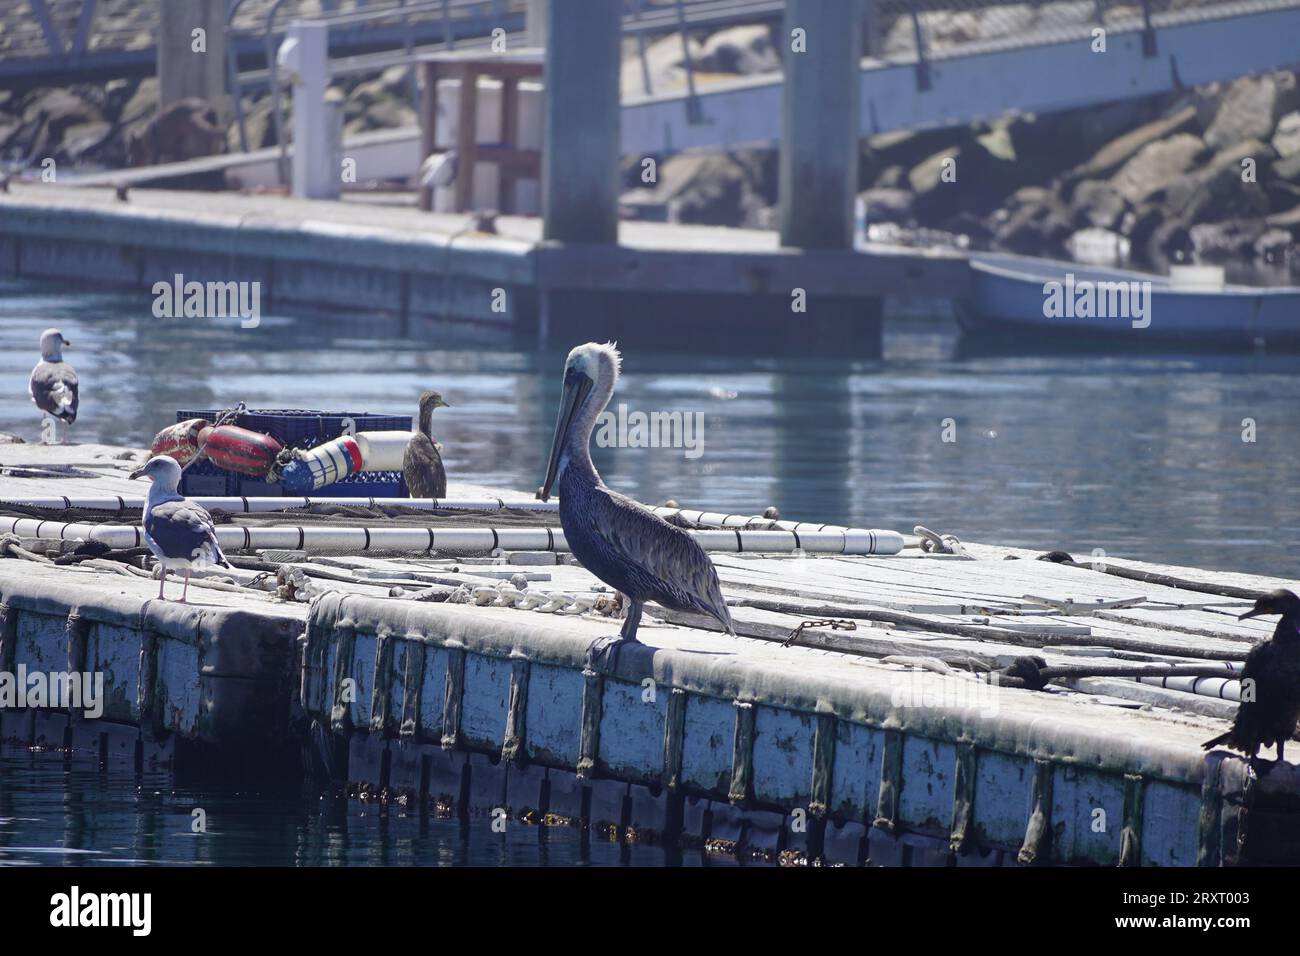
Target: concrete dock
892,729
432,267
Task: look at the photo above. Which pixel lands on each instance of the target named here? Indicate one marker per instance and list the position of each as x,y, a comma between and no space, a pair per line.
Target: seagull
53,387
422,463
1272,676
179,532
618,540
438,169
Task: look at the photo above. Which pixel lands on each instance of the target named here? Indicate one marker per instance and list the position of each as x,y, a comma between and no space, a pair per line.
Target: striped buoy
323,465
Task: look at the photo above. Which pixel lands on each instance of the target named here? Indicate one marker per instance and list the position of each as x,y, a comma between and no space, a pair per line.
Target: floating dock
874,707
419,267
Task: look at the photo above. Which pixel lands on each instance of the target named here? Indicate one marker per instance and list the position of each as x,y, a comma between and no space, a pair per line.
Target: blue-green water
1140,456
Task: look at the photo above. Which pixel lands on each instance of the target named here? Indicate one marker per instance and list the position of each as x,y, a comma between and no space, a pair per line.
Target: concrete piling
192,64
819,144
580,148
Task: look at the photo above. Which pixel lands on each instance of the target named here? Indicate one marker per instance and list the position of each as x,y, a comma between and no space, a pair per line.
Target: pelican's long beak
1253,612
576,387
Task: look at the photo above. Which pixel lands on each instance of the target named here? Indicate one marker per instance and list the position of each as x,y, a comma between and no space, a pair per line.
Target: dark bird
422,463
615,538
122,190
53,386
179,532
1270,682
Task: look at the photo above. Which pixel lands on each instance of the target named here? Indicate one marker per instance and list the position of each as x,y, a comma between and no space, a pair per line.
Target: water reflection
60,812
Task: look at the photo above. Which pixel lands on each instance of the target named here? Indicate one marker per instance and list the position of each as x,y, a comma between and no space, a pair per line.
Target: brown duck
422,464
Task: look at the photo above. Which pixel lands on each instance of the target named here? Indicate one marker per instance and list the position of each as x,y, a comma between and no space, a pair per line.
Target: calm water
57,813
1140,456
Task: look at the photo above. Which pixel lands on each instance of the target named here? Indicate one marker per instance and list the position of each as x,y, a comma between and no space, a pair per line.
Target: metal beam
52,39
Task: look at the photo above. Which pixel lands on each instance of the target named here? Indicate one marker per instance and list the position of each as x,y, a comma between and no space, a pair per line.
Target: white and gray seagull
53,387
179,532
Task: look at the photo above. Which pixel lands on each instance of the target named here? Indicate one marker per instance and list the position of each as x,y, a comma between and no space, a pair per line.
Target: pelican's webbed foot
605,652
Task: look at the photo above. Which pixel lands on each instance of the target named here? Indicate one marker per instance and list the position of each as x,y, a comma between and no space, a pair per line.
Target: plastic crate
295,428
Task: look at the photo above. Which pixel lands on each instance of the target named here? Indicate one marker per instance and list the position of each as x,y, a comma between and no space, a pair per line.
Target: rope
11,544
1154,577
515,594
230,414
1034,673
97,550
932,543
987,632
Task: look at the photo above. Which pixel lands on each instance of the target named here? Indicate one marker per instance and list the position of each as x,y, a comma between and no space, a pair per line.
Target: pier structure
582,269
406,268
580,145
192,52
908,731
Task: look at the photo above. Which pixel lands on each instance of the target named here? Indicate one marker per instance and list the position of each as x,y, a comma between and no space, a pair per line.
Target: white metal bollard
304,56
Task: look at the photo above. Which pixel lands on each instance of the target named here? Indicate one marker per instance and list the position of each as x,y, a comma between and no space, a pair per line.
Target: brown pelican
53,386
616,539
1271,714
180,533
422,464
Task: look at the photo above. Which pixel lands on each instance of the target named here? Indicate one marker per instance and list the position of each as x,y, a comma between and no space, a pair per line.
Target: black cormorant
1270,682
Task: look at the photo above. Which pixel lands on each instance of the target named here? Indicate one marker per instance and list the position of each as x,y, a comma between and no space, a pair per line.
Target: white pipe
714,519
308,538
266,505
709,519
1222,688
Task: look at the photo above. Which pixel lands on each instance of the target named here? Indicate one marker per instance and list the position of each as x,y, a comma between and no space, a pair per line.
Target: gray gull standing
179,532
53,387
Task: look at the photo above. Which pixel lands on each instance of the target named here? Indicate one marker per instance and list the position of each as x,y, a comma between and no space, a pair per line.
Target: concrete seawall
719,286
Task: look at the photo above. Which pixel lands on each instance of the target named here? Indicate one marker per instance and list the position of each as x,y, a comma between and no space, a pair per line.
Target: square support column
580,148
184,72
819,140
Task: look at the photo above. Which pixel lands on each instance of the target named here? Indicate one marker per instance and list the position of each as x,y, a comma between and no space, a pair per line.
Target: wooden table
512,162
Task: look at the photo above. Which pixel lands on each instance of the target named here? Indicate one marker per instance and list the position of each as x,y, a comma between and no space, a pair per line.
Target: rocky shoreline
1205,176
1208,175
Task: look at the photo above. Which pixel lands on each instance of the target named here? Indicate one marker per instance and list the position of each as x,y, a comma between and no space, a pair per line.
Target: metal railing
642,18
924,30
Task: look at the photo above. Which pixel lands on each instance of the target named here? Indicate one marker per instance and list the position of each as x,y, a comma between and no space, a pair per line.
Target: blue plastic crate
295,428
